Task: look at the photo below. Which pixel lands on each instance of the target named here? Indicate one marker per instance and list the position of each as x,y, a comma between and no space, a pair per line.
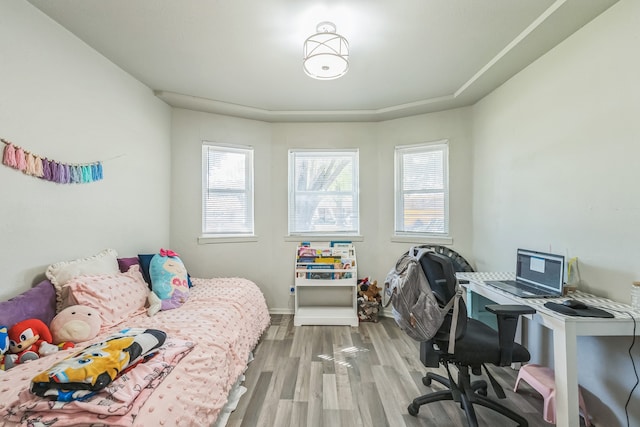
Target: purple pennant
62,173
60,179
54,171
46,169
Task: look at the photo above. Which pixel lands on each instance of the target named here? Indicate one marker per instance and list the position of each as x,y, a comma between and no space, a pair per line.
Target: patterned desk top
618,309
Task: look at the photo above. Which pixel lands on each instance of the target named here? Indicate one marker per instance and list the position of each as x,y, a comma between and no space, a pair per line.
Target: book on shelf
326,261
306,251
340,243
347,263
320,271
344,249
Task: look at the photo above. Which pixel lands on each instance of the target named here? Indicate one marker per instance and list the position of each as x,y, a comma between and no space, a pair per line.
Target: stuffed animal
29,340
372,293
169,282
74,324
6,361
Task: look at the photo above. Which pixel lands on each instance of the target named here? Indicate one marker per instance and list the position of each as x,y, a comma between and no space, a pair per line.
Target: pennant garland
50,170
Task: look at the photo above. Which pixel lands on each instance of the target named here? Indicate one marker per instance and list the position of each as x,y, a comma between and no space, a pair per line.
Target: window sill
444,240
210,240
322,238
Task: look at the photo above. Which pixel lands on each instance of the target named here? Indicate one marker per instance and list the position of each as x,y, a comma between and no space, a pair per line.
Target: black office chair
477,344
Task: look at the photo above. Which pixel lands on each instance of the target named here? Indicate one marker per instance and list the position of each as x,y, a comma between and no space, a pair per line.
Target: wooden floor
366,376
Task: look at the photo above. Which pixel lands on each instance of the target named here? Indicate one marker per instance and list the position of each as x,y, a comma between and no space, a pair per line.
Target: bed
209,343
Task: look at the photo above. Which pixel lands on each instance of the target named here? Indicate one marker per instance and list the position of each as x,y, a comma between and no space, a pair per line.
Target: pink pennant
9,158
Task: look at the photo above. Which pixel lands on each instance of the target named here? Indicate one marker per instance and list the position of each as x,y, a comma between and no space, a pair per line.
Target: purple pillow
125,263
38,302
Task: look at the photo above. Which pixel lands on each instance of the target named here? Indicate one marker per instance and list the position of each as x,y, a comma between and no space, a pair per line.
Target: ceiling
244,57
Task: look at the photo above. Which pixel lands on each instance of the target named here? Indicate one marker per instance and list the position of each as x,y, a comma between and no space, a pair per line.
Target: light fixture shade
326,54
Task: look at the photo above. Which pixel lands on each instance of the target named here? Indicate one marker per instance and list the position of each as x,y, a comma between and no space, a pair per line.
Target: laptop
538,275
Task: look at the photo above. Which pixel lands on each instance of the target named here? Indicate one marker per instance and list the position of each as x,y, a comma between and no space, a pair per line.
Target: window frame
249,190
399,193
355,192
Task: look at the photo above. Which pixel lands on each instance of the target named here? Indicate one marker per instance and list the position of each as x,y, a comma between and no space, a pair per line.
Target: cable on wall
633,363
635,371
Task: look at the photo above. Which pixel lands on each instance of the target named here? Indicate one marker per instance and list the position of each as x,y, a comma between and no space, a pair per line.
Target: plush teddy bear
74,324
372,293
29,340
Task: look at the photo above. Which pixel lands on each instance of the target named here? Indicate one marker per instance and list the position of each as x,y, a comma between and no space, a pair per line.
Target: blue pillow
145,261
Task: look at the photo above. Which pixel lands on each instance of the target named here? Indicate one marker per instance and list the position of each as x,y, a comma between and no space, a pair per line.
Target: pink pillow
117,297
105,262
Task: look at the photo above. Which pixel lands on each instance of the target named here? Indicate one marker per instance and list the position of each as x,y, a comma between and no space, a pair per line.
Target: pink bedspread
223,317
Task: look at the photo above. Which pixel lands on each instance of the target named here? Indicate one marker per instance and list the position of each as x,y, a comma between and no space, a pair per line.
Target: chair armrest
508,316
505,309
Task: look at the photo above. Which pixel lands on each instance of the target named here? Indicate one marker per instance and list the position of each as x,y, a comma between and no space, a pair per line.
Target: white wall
247,259
269,260
453,125
555,160
62,100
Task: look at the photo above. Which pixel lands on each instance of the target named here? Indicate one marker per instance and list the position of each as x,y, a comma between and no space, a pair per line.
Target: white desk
565,330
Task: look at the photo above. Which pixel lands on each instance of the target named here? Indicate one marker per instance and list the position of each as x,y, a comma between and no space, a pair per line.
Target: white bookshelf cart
326,284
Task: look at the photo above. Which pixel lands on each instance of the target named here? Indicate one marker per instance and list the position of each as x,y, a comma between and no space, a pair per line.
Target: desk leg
566,371
467,297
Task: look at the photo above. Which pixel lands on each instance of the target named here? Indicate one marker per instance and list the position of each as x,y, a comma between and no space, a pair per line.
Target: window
422,189
227,190
323,192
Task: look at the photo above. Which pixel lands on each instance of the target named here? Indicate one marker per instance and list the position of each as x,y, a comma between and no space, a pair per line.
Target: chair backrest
441,275
460,264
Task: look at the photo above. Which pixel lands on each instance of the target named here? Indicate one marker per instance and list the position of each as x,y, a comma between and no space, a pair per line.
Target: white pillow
105,262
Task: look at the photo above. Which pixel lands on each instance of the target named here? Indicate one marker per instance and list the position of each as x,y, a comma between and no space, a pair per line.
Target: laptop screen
540,269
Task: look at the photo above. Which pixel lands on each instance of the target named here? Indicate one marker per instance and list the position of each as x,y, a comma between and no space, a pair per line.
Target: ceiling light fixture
326,54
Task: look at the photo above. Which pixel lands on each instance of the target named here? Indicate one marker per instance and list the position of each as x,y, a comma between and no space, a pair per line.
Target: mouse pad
580,312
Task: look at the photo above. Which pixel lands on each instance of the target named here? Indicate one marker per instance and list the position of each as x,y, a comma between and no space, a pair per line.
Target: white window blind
227,190
422,189
323,192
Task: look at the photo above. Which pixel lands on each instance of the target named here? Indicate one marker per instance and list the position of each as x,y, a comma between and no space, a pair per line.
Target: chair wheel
413,409
426,381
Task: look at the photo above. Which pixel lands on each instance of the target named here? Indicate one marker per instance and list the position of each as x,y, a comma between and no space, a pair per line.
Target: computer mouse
571,303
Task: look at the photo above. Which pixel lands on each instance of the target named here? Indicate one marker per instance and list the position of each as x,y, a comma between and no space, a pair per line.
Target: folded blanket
117,404
93,368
